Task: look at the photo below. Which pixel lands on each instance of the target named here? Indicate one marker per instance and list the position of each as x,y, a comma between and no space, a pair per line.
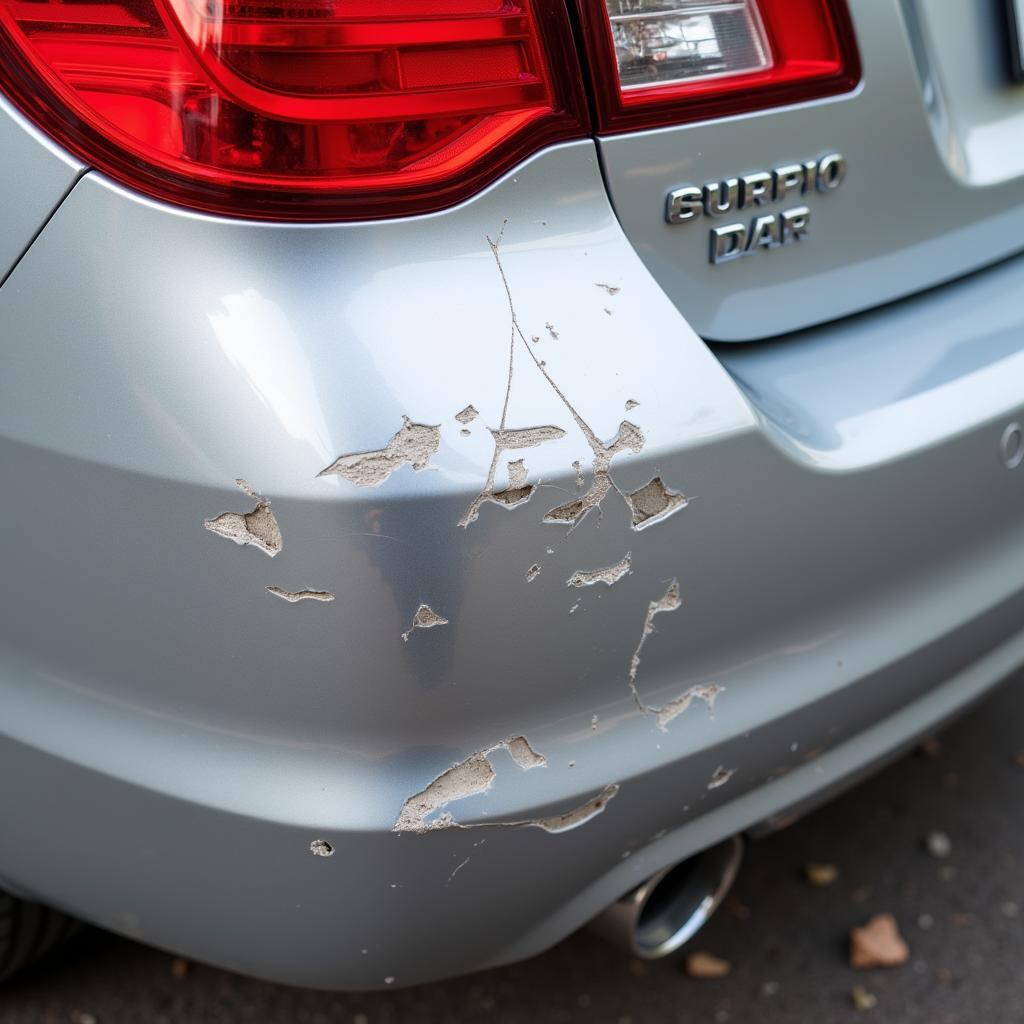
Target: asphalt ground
786,941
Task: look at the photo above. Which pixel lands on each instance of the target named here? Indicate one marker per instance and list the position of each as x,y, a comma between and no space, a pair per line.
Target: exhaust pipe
667,910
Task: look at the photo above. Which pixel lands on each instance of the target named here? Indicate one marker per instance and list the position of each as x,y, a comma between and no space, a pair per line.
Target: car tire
28,931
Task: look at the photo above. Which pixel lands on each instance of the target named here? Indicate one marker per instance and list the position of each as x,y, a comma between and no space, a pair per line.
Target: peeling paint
523,754
532,573
578,815
525,437
294,596
674,708
580,480
609,288
414,444
631,403
465,433
258,527
425,618
467,415
610,575
720,777
654,502
670,601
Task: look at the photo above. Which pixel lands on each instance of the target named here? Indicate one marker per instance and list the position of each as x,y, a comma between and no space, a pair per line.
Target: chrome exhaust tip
666,911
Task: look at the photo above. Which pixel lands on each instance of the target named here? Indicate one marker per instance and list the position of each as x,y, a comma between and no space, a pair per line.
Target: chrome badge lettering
717,199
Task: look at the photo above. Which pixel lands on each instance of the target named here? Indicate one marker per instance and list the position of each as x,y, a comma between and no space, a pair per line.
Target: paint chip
609,288
578,815
525,437
670,601
610,575
674,708
532,573
523,754
551,330
720,776
293,596
467,415
258,527
425,618
631,403
654,502
321,848
414,444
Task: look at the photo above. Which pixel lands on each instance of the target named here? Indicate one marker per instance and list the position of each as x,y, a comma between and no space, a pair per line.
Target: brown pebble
820,875
706,965
862,999
878,944
179,968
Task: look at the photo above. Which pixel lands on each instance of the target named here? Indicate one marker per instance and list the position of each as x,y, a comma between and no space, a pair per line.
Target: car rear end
463,458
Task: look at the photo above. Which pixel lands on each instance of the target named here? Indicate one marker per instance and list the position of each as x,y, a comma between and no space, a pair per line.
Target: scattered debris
425,618
862,999
631,403
293,596
938,845
720,776
609,575
930,746
654,502
670,601
321,848
707,692
414,445
820,875
179,968
551,330
706,965
878,944
609,288
467,415
532,573
258,527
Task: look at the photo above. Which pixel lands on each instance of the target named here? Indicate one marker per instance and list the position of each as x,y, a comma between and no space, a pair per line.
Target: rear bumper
174,737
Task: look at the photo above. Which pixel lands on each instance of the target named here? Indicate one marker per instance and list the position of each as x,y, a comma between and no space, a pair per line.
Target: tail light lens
659,62
297,109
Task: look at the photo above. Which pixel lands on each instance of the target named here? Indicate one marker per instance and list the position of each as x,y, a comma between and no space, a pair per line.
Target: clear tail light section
660,62
297,109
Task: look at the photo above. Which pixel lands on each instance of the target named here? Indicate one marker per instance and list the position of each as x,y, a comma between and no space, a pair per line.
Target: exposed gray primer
467,778
258,527
654,502
609,288
720,777
414,445
609,575
425,618
533,572
674,708
467,415
321,848
293,596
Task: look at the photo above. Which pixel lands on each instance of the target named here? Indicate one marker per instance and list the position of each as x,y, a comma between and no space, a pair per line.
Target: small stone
878,944
321,848
938,844
179,968
862,999
821,875
706,965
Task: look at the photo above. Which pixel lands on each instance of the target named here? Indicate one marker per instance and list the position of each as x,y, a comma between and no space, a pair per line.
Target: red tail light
660,62
297,109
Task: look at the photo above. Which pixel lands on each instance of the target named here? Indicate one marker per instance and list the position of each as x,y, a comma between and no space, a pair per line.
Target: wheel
28,931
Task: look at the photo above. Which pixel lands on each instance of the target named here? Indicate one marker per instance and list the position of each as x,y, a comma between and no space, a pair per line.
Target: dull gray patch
609,575
720,777
467,778
674,708
258,527
414,445
670,601
294,596
321,848
578,815
467,415
609,288
654,502
532,573
425,618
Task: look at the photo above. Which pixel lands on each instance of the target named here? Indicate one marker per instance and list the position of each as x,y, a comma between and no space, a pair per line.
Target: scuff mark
670,601
609,288
721,776
414,444
467,415
425,618
674,708
467,778
532,573
578,815
551,330
609,575
631,403
654,502
294,596
258,527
